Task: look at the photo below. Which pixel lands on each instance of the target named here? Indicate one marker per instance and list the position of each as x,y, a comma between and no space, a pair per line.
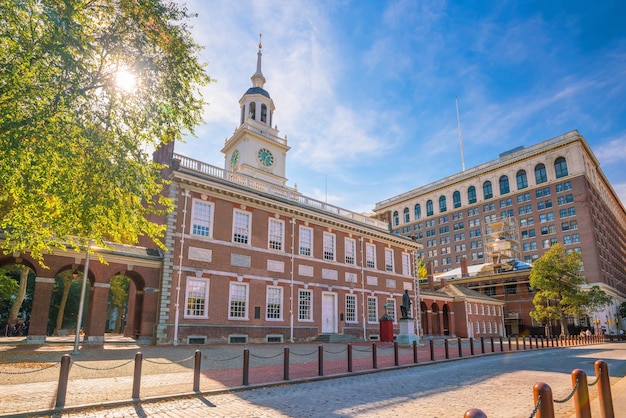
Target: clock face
265,157
234,159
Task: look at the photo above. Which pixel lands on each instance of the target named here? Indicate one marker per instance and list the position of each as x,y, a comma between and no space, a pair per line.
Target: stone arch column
38,326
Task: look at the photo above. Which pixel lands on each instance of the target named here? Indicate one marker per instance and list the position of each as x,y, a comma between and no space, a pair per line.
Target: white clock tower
255,149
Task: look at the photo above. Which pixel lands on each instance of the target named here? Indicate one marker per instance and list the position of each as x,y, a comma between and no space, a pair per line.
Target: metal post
460,347
604,389
482,345
320,360
524,342
396,356
414,351
79,319
493,349
66,361
474,413
445,345
286,363
581,395
542,393
246,366
197,360
137,375
516,343
432,350
472,346
374,356
501,345
509,343
350,358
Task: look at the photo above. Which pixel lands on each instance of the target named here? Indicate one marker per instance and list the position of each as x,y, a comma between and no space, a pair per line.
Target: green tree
556,278
74,141
422,272
118,296
8,286
67,279
622,310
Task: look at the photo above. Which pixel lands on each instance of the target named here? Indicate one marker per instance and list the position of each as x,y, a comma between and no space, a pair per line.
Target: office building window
372,310
197,296
201,218
456,199
540,174
238,301
276,233
370,256
306,240
274,303
560,167
471,195
522,180
504,185
388,259
442,204
351,312
350,250
407,216
418,212
396,218
391,309
429,208
241,227
329,246
487,190
305,304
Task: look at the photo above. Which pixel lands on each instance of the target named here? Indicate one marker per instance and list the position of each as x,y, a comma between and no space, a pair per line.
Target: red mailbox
386,329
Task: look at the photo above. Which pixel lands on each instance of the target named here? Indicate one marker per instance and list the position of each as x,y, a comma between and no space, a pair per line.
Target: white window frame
355,318
305,241
370,256
406,264
372,315
391,309
242,230
270,297
350,251
275,234
232,297
310,305
200,220
330,247
189,293
389,260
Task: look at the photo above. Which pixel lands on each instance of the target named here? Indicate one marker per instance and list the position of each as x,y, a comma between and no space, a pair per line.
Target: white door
329,313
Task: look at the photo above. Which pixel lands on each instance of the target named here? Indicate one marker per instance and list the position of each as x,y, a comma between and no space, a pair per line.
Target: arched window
396,218
540,174
560,167
418,212
471,195
429,208
252,112
263,113
442,204
487,190
456,199
243,114
504,185
407,216
522,181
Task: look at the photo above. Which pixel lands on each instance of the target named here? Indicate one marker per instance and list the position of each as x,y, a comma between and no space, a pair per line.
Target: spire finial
257,78
260,44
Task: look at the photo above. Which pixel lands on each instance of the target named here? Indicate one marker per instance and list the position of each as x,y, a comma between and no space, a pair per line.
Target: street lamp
79,320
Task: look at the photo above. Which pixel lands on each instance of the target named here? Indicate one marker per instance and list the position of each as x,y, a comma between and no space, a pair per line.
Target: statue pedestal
407,332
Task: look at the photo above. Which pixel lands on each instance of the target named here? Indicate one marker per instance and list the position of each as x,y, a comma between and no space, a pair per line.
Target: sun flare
125,80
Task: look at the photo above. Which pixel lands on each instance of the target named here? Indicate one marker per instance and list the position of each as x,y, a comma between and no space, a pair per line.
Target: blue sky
365,90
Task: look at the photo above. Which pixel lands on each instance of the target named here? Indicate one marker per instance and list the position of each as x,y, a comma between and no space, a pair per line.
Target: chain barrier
304,354
168,362
101,368
32,371
569,396
384,347
597,378
224,359
266,357
367,350
336,352
532,414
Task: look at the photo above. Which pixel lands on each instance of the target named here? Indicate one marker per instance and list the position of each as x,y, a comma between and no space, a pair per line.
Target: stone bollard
66,362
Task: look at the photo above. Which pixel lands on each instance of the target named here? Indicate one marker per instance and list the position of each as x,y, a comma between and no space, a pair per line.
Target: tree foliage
8,286
75,164
556,278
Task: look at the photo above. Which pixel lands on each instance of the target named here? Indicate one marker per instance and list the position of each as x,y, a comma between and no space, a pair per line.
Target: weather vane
260,45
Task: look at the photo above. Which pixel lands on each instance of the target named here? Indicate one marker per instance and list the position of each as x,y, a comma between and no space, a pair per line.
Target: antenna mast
458,119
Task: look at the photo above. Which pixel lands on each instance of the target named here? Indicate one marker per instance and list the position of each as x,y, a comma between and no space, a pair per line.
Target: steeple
257,78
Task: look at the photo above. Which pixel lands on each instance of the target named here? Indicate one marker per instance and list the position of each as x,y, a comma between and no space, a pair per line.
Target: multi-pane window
329,246
388,259
406,264
407,216
396,218
418,212
504,185
241,227
456,199
442,204
351,314
487,190
471,195
370,256
305,304
429,208
274,302
522,180
560,167
372,310
350,250
201,218
238,301
197,296
276,234
306,240
391,309
540,174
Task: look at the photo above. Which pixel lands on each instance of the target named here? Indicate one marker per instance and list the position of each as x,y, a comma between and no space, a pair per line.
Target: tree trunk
21,294
67,283
564,330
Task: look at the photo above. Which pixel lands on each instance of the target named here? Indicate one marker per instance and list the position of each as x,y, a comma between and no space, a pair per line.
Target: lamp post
79,320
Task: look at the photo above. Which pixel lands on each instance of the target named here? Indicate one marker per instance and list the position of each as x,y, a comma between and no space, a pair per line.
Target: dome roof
258,90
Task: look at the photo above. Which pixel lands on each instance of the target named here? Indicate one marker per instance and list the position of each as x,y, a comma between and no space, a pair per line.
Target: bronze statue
406,305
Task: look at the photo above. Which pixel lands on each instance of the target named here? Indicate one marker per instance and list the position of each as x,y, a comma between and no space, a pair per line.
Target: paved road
500,385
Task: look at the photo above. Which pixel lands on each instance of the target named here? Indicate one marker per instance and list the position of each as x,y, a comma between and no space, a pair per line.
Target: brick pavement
103,375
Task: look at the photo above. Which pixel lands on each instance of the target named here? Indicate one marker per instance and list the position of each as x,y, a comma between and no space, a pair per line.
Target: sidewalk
103,374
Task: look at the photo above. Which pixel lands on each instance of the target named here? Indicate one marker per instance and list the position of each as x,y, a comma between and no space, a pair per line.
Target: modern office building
252,259
511,210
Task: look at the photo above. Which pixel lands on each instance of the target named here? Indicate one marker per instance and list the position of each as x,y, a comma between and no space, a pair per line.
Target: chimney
464,272
431,280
